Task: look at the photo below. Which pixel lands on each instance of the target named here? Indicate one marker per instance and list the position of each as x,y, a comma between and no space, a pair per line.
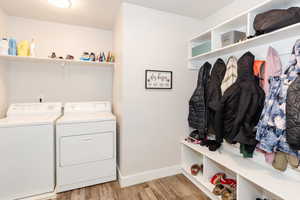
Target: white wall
153,121
3,67
27,82
3,23
61,38
228,12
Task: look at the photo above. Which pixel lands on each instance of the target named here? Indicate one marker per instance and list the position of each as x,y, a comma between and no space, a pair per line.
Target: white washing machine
27,150
85,145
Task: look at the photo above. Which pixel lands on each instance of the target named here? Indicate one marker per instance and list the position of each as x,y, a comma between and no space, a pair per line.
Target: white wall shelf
244,23
251,174
29,59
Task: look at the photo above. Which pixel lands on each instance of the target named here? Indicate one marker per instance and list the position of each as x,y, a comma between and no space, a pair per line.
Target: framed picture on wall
156,79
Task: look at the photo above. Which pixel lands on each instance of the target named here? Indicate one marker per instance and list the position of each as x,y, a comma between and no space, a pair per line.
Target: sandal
229,182
218,178
229,195
219,189
195,169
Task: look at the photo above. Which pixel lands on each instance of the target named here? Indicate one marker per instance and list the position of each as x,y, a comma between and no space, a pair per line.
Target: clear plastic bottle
32,48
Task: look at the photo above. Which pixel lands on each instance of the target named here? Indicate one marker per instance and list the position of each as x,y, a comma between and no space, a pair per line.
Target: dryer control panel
88,107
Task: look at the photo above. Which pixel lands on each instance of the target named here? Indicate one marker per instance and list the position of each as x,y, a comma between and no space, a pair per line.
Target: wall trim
138,178
51,195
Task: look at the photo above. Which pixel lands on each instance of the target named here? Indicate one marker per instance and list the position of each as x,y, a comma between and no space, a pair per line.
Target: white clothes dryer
85,145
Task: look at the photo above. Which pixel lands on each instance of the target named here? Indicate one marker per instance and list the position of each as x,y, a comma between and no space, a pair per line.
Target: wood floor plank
151,194
175,187
194,189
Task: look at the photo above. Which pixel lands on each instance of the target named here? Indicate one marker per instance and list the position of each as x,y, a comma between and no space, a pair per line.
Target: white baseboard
51,195
134,179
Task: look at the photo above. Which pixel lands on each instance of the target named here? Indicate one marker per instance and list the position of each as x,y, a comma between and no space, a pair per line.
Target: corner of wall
150,39
229,11
3,67
117,76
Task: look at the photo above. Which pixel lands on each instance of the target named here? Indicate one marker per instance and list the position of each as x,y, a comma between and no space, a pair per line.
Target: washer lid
30,120
86,117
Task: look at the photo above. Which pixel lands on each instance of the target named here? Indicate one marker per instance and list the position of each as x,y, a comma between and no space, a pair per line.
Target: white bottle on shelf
32,48
4,46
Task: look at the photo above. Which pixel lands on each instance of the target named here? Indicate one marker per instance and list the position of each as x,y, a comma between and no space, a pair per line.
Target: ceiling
192,8
101,13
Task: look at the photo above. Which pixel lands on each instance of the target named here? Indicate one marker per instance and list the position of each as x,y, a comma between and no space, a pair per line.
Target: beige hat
293,161
281,161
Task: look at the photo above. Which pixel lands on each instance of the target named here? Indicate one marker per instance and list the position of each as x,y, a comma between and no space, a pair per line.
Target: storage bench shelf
252,175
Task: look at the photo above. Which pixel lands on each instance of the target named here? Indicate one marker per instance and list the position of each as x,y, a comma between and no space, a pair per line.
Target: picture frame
158,79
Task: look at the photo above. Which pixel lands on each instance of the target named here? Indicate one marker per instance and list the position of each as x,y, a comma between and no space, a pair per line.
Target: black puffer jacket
214,93
293,115
197,106
241,106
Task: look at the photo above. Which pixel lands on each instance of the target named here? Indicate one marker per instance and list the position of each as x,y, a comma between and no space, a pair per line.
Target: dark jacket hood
245,67
218,72
205,67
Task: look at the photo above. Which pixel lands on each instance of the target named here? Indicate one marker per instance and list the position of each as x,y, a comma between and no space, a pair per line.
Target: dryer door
87,148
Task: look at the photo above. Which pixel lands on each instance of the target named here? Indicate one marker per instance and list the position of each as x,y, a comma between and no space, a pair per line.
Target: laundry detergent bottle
12,47
24,48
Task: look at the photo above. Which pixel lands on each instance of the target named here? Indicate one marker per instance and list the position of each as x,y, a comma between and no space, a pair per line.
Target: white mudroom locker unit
149,99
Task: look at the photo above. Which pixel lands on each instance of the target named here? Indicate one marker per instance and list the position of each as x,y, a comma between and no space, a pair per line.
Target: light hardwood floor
170,188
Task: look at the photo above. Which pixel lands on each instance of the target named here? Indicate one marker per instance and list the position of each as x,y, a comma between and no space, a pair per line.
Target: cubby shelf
244,23
53,61
278,35
204,185
270,180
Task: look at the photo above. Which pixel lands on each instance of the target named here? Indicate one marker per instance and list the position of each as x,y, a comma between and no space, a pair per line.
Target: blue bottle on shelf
12,44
